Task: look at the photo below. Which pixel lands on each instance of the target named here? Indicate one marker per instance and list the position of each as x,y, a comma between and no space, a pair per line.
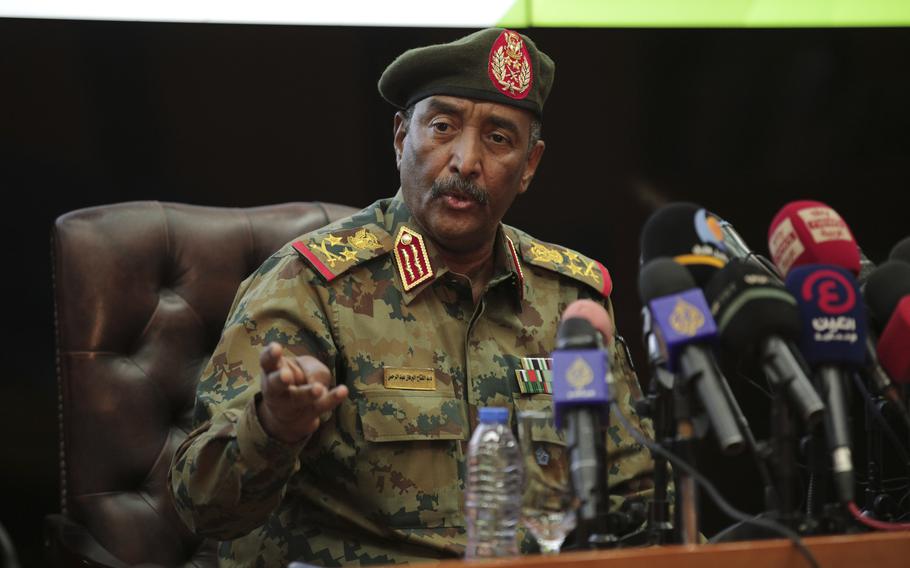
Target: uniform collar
418,263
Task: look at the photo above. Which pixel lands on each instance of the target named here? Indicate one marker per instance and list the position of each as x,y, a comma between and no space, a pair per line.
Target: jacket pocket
408,463
541,403
404,415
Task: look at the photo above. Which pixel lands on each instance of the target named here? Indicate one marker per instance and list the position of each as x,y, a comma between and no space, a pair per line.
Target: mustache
461,186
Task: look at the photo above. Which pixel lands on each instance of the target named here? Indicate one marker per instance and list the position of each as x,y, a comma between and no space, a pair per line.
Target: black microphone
901,251
884,289
688,234
683,323
757,318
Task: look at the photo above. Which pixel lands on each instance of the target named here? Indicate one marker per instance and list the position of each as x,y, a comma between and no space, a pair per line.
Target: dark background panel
742,121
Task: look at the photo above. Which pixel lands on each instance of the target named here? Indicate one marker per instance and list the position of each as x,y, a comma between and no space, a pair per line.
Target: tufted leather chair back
142,291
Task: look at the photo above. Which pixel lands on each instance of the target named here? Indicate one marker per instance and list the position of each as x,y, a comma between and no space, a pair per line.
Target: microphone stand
686,491
778,493
823,515
783,440
879,502
595,528
814,449
873,494
658,405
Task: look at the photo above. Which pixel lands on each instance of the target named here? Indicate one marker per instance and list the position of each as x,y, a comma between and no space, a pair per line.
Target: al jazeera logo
686,319
580,375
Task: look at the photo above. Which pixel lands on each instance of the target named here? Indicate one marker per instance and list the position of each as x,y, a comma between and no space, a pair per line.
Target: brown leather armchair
141,292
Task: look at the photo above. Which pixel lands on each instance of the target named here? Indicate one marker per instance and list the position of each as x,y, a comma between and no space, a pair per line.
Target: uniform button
406,239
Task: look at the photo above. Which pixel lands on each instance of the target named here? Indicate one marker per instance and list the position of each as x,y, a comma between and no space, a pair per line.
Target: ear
531,165
400,129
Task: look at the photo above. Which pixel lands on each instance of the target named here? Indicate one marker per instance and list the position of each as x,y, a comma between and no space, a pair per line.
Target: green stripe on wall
708,13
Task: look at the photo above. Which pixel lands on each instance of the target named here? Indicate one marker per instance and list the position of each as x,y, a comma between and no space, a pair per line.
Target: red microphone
810,232
894,343
811,236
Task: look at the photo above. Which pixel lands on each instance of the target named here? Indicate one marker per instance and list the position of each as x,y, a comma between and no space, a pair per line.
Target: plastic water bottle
493,491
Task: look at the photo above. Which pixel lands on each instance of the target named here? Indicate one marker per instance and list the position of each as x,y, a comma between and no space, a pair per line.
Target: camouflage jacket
381,480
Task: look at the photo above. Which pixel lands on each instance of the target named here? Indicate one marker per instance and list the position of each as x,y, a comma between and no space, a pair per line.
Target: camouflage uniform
381,480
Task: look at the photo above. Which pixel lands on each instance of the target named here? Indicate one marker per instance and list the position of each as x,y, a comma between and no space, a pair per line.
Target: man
335,412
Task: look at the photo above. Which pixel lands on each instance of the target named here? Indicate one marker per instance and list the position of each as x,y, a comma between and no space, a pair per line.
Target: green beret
494,64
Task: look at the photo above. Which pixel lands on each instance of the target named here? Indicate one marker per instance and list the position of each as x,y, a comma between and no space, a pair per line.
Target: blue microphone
682,321
833,342
580,370
832,314
581,399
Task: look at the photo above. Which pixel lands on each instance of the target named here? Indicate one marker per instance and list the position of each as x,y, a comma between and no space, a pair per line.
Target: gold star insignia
590,272
349,254
333,240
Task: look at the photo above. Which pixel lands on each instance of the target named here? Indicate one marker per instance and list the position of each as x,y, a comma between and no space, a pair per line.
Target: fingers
283,381
314,370
320,398
306,375
306,378
295,392
329,399
273,360
270,358
317,385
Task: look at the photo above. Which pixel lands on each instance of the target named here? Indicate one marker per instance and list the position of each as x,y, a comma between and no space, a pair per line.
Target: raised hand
295,392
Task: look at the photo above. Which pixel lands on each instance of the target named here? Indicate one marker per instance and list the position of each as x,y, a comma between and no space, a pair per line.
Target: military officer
334,415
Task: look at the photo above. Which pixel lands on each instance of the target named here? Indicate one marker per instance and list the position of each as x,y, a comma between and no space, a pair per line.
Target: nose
466,159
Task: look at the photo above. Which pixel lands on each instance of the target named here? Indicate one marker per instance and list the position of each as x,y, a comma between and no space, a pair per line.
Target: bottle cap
494,414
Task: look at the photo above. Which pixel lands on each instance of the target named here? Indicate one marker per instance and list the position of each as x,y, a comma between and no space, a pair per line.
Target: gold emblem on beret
510,65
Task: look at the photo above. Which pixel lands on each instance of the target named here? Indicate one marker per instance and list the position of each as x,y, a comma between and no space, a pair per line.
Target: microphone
887,295
581,399
884,289
901,251
892,344
810,232
688,234
685,329
756,319
833,342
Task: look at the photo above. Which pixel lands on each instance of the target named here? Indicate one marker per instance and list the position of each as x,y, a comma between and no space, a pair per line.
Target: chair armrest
67,543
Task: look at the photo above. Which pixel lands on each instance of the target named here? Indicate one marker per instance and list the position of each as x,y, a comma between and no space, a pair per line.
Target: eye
440,126
498,138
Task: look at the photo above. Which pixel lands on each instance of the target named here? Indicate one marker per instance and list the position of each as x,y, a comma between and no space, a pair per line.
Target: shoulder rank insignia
567,262
332,253
535,375
411,257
